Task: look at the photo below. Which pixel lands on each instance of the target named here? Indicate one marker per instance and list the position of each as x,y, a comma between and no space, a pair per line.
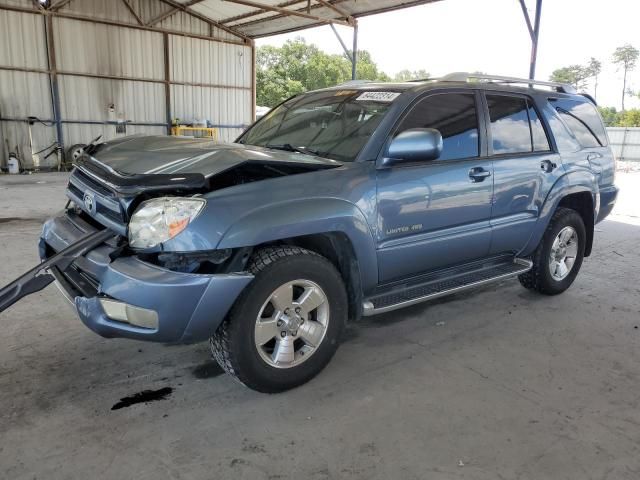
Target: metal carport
88,67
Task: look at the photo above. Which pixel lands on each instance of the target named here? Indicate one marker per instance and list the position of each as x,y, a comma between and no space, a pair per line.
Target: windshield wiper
287,147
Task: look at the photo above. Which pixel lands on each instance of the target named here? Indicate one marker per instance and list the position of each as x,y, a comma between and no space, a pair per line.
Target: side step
444,283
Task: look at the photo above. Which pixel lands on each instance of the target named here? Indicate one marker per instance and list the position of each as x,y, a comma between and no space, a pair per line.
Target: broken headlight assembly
160,219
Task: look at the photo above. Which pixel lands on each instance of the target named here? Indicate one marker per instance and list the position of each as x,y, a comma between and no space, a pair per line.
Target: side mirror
413,145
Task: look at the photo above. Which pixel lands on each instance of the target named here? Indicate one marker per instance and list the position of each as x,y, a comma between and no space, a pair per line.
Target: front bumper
189,307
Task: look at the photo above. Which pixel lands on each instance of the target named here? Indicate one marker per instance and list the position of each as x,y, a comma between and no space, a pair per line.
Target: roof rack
465,77
353,83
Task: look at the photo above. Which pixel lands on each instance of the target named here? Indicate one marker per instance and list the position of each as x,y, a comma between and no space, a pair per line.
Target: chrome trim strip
368,308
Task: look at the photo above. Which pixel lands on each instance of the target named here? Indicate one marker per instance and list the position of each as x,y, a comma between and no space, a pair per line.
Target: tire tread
533,279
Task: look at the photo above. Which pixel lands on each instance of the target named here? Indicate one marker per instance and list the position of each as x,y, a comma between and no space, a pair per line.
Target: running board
409,294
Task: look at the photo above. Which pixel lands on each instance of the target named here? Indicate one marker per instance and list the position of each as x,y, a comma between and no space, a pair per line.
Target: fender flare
297,218
580,181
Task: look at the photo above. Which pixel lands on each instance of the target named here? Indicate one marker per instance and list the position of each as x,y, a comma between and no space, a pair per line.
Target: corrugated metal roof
277,16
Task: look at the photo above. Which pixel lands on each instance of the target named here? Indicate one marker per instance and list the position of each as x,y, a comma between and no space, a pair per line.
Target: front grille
106,207
93,184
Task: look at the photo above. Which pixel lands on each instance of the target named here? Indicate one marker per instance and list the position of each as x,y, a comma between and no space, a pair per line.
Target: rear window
515,126
583,120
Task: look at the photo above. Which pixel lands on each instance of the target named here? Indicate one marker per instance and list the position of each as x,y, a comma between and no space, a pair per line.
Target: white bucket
13,165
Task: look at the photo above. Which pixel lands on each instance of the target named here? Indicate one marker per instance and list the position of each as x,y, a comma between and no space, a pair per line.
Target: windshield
334,124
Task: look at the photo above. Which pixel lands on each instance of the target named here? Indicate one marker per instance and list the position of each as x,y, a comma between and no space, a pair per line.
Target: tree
625,57
573,75
594,67
610,116
629,118
406,75
298,66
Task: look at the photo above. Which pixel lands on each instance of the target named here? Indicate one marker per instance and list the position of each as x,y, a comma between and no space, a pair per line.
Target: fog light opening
136,316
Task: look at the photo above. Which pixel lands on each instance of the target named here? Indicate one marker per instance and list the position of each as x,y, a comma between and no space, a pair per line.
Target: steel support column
53,77
354,53
167,81
534,33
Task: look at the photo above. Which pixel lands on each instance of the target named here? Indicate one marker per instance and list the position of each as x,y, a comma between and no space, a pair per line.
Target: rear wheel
285,327
558,258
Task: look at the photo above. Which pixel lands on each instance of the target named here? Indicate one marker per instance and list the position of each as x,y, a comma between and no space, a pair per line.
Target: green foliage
610,116
626,57
613,118
594,67
575,75
406,75
298,66
629,118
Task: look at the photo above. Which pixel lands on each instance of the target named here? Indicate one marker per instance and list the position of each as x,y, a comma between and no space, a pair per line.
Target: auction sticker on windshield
378,96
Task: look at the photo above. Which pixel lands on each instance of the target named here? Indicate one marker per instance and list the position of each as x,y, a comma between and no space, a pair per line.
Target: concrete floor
512,386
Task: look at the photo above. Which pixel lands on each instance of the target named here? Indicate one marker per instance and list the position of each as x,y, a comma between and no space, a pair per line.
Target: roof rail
354,82
465,77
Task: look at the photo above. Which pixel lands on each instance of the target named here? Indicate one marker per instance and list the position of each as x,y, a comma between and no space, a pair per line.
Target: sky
491,36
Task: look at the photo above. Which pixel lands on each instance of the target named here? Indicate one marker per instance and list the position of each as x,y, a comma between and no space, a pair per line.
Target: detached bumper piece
40,276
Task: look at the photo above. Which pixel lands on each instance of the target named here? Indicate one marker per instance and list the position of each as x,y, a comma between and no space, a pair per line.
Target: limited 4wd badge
378,96
404,229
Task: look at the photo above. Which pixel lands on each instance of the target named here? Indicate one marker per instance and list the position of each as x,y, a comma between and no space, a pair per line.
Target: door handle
593,156
478,174
547,166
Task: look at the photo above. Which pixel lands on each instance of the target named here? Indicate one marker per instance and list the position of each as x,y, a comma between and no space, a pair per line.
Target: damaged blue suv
349,201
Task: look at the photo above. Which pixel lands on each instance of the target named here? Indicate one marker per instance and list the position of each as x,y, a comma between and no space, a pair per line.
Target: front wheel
557,260
286,325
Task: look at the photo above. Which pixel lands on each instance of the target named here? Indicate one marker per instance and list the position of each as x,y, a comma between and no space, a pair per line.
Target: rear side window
583,120
515,126
455,116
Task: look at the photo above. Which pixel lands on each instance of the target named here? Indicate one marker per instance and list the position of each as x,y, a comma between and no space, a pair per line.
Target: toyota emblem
89,202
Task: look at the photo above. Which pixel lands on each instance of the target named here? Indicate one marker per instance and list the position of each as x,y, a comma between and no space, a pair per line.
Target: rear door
525,168
434,214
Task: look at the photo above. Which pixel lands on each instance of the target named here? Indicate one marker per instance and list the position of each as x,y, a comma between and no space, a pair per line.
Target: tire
73,152
235,344
540,278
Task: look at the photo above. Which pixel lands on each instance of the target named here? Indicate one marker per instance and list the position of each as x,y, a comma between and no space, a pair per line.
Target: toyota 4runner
349,201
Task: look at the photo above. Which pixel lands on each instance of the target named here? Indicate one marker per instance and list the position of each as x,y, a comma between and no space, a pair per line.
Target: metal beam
167,79
354,61
58,5
258,12
170,13
347,52
527,19
115,23
133,12
534,42
53,77
285,11
204,18
336,9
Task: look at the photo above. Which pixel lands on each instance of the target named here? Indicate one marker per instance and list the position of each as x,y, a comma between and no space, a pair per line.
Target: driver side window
454,115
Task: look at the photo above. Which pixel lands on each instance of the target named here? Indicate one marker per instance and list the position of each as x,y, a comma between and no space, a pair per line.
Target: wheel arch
338,249
333,228
582,203
575,190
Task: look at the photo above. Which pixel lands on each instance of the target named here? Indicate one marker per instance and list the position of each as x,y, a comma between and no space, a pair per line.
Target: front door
436,214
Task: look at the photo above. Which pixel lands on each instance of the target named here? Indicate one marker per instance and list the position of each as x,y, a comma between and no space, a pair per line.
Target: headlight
160,219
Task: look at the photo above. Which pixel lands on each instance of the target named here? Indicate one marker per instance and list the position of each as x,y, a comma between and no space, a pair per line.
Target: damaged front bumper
123,296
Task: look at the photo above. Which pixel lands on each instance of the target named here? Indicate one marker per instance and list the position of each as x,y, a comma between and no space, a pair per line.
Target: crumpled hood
178,155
